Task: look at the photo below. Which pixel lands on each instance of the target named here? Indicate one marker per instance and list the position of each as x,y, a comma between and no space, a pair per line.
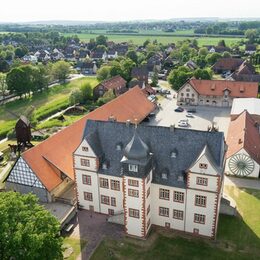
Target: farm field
162,38
45,103
237,238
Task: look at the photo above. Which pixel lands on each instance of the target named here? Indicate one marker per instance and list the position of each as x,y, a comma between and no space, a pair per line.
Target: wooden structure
23,131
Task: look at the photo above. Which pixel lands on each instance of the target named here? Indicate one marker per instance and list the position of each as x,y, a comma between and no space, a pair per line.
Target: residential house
112,54
151,176
140,73
215,92
218,49
227,65
243,141
87,68
146,88
121,49
154,63
30,58
117,84
98,55
191,65
57,55
250,49
47,169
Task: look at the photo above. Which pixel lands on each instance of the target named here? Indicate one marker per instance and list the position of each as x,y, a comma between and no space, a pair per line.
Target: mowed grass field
44,104
164,38
238,238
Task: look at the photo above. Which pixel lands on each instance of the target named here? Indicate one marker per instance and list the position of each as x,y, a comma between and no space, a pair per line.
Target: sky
121,10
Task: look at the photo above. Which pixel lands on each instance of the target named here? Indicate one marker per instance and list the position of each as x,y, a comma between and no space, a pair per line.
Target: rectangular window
163,212
84,149
198,218
134,213
86,179
88,196
133,168
164,194
134,183
133,193
115,185
148,209
200,201
178,214
113,201
111,212
202,181
104,183
105,200
203,165
84,162
148,192
178,196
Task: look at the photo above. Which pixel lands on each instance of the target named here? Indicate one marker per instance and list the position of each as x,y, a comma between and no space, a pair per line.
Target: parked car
191,110
183,124
179,109
189,115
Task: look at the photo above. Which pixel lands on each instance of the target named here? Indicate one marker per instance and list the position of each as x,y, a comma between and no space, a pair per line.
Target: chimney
172,128
112,119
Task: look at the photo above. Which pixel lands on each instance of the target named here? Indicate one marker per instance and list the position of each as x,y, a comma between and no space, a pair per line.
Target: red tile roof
56,151
217,87
243,133
114,83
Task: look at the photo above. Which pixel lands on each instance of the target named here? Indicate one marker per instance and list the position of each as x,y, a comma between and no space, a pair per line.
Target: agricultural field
43,104
237,238
164,38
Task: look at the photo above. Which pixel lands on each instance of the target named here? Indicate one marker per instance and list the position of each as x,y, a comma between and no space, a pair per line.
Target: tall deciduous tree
3,86
61,70
28,231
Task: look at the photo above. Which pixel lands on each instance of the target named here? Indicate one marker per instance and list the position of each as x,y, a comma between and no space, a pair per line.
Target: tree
61,70
222,43
101,40
4,66
28,231
3,86
75,97
108,96
251,34
209,30
212,58
203,74
86,91
154,78
104,73
131,54
226,54
21,51
203,51
178,77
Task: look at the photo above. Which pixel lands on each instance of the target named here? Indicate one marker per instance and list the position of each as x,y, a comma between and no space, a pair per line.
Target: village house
117,84
218,49
151,176
243,141
215,92
112,54
140,73
47,169
98,55
87,68
250,49
30,58
227,65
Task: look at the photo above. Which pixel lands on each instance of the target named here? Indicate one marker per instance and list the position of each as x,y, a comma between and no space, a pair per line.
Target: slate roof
161,141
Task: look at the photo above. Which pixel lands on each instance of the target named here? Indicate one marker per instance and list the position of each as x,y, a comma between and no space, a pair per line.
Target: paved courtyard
203,117
93,227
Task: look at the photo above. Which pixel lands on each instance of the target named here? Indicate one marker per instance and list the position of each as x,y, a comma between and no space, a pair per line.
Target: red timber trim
124,203
216,206
75,178
97,164
143,210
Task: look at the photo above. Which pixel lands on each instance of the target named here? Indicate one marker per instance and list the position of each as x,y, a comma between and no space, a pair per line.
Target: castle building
151,175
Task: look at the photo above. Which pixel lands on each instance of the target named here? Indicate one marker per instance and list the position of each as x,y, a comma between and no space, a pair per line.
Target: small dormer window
119,147
174,153
133,168
84,148
104,166
164,176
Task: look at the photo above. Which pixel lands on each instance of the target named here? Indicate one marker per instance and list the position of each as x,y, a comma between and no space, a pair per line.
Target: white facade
194,208
232,164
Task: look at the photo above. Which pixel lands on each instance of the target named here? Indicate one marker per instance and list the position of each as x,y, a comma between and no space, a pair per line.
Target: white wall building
151,176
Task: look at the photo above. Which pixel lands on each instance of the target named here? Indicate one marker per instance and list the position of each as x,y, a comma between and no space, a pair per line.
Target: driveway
94,227
242,183
202,119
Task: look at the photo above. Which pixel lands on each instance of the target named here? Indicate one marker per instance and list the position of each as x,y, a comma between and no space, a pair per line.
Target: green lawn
44,104
76,244
164,38
238,238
